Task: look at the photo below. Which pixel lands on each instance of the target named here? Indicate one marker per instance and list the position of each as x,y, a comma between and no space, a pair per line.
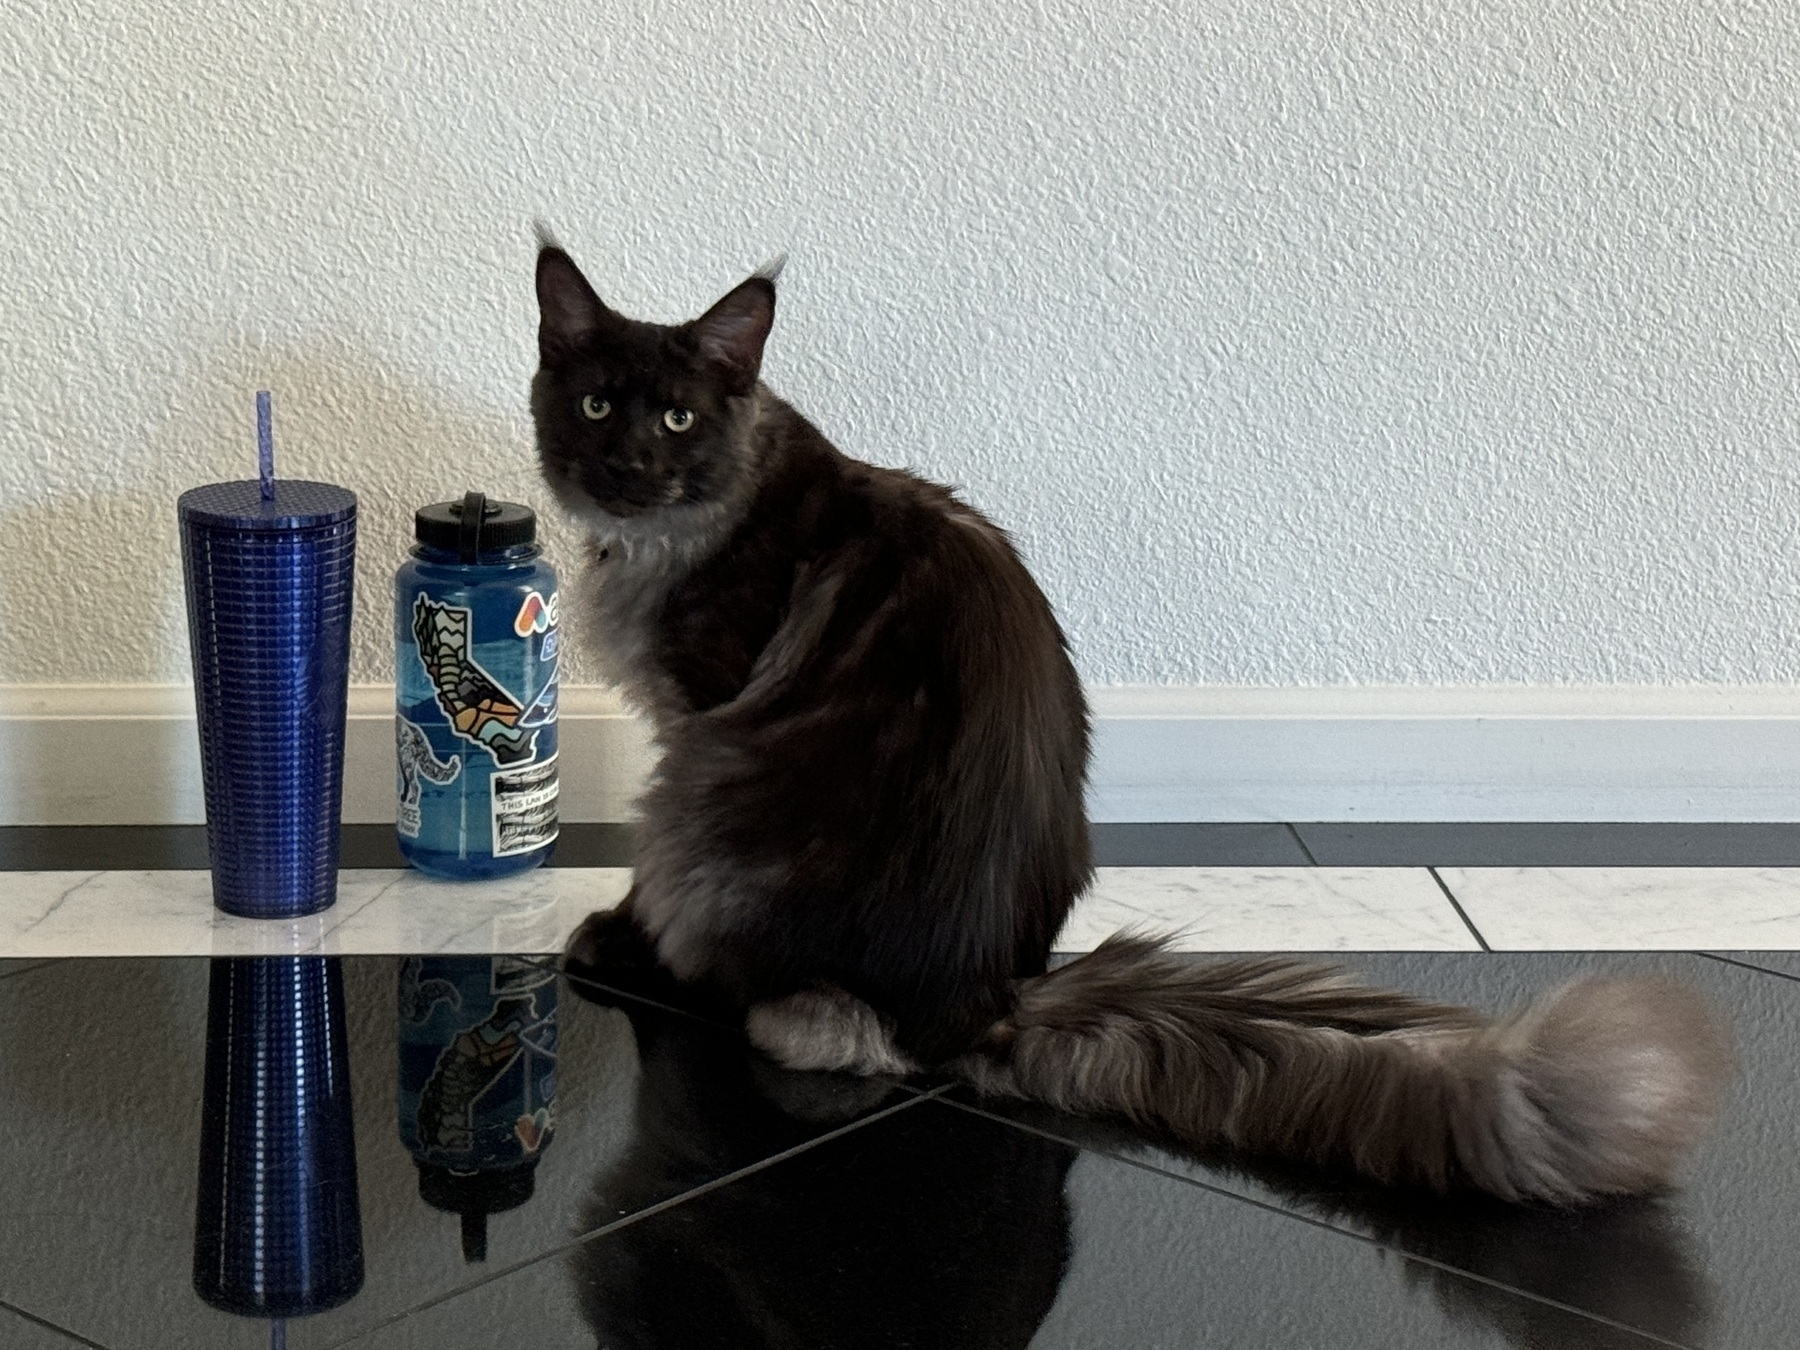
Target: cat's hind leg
827,1029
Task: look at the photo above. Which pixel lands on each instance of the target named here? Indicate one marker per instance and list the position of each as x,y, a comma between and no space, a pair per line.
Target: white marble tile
44,914
1294,909
377,912
1631,908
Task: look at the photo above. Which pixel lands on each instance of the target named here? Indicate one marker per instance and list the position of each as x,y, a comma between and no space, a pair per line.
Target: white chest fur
634,564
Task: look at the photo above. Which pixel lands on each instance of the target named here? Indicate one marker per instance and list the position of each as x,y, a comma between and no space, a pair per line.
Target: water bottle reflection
477,1082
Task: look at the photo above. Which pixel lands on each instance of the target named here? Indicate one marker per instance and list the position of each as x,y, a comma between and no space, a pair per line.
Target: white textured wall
1374,341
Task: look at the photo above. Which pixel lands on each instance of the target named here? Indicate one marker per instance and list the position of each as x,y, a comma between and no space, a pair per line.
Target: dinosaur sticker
419,997
418,761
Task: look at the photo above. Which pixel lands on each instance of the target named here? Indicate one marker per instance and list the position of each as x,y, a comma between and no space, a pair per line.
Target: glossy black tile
81,848
1553,844
1707,1265
105,1099
940,1228
595,844
101,848
1116,844
1197,844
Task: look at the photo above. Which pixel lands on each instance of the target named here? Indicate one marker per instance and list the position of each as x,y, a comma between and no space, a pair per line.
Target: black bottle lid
475,525
475,1195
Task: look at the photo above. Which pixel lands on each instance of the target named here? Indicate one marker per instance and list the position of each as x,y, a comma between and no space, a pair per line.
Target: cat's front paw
610,948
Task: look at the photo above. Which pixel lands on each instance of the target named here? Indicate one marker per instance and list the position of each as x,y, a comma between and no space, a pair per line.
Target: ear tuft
569,312
731,334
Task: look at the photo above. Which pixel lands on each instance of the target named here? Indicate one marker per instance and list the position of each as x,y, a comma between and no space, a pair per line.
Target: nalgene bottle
475,719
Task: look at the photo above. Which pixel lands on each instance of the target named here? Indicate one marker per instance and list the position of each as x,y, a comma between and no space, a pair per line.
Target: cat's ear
569,313
731,334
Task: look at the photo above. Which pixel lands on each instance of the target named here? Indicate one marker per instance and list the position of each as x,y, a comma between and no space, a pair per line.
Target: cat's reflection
933,1228
1627,1262
939,1228
1542,1278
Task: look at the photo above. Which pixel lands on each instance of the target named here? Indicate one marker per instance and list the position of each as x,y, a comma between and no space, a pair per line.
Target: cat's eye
593,407
678,419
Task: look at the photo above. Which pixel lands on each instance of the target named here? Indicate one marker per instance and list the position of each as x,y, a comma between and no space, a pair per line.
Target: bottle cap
475,1195
475,525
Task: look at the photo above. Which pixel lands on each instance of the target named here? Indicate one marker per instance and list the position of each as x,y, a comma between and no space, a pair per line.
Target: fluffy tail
1598,1089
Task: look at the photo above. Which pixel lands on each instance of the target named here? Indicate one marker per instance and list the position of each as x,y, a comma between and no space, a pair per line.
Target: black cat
866,825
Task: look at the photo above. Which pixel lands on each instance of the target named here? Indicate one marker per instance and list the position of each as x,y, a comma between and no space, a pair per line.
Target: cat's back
852,583
909,555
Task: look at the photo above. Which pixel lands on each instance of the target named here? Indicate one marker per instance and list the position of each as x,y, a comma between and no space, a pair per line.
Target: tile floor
692,1196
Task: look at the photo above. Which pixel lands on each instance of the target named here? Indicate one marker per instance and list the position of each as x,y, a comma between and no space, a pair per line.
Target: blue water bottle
475,718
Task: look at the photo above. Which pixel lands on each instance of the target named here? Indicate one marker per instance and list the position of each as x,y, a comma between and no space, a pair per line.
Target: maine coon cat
866,825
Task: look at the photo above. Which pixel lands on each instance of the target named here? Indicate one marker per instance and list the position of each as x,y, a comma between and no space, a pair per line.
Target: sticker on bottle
524,808
480,709
536,615
418,762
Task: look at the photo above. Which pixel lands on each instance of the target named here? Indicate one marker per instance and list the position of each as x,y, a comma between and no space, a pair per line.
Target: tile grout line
648,1212
1748,965
1294,830
1461,913
48,1325
1323,1225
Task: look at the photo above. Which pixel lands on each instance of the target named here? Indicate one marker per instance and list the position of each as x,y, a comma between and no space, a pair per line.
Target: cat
866,825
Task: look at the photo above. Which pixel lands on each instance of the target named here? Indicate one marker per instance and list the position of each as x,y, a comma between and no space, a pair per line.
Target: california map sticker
417,760
478,708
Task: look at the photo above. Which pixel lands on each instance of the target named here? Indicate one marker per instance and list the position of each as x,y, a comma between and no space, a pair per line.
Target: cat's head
642,419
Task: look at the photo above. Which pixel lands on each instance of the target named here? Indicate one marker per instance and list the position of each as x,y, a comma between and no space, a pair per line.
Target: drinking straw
265,443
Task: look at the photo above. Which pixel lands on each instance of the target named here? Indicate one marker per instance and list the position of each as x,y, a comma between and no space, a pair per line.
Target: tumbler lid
503,525
298,505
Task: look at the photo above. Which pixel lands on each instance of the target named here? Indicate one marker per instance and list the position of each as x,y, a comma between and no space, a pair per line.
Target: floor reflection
277,1226
477,1091
1628,1261
949,1233
955,1230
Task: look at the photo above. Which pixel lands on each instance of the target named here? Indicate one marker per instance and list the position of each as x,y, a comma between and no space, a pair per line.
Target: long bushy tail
1598,1089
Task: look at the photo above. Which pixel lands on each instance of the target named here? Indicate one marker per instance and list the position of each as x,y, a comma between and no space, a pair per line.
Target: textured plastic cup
277,1226
268,601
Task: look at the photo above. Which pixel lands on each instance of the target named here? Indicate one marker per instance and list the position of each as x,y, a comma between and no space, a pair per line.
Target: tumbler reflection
277,1228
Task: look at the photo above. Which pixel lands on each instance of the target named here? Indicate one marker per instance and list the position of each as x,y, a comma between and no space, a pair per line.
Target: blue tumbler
277,1226
268,568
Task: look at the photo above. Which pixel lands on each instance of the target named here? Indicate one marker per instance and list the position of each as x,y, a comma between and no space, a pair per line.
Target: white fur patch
826,1029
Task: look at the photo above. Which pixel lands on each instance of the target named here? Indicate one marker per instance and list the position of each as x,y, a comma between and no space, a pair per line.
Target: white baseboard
129,755
103,754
